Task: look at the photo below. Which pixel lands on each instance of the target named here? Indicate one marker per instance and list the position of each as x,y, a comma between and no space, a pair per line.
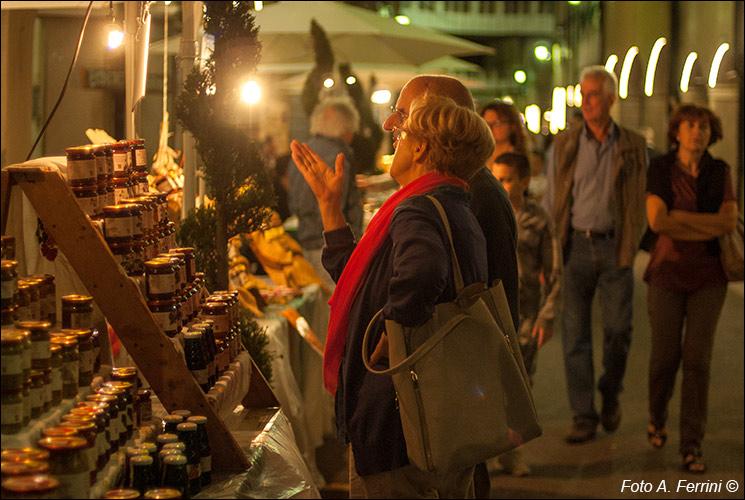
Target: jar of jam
12,407
8,317
41,356
143,186
68,463
119,222
9,283
102,167
87,198
139,155
160,279
85,354
127,400
37,393
110,404
127,374
48,297
86,428
136,210
124,418
95,338
47,389
183,276
146,406
34,291
101,416
81,166
122,188
56,375
35,486
70,365
162,493
23,468
190,261
170,235
122,493
7,247
59,431
21,454
26,342
12,360
219,313
77,311
23,301
165,313
121,159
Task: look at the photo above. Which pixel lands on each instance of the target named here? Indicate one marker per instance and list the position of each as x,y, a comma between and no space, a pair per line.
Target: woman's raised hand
326,184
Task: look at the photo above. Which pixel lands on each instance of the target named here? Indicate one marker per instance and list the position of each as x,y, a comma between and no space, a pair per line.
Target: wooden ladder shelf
125,308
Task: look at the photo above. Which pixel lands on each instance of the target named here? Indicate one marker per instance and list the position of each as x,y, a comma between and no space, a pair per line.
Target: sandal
694,462
657,436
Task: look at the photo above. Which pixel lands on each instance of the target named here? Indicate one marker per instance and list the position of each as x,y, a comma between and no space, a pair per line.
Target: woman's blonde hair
458,139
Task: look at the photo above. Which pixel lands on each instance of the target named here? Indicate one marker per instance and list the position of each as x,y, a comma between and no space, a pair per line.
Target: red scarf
356,270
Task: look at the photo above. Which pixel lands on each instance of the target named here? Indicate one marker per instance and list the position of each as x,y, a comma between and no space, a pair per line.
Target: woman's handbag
461,385
733,254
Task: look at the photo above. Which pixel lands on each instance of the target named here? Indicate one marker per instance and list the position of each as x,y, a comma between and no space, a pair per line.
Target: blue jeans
589,266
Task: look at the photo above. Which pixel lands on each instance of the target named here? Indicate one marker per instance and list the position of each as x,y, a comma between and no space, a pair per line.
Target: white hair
334,117
611,80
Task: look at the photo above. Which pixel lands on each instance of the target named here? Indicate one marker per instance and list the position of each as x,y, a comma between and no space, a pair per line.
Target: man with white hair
332,125
596,175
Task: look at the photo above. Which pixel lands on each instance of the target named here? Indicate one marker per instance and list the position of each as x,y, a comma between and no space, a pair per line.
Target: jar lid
20,454
214,306
162,493
63,443
82,334
158,263
93,188
23,468
119,146
59,431
36,375
8,264
84,411
34,326
139,142
80,150
182,413
167,438
179,446
66,341
77,299
124,371
141,460
38,483
55,349
100,398
192,335
161,303
184,250
47,278
93,405
143,393
119,384
136,451
186,426
112,391
175,460
123,493
11,338
122,208
198,419
133,202
170,419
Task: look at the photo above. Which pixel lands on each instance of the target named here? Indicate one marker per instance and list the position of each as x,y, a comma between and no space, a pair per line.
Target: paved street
599,469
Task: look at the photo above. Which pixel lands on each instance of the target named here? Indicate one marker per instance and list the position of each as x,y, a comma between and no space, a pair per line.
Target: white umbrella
357,36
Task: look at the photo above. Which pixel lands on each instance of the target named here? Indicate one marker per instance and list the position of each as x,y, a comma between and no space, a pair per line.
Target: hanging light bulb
114,31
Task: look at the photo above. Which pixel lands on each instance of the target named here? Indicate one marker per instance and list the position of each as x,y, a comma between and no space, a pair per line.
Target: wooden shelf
125,308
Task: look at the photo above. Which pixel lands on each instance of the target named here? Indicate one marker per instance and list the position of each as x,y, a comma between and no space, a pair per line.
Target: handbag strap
418,354
457,276
427,346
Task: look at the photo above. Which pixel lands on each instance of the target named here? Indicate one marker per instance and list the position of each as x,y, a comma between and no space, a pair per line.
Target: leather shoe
581,431
610,416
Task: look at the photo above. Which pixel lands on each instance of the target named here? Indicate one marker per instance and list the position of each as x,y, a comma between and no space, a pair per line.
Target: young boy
539,264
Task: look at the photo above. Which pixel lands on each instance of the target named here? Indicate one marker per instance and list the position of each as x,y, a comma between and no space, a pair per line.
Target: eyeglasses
493,125
402,115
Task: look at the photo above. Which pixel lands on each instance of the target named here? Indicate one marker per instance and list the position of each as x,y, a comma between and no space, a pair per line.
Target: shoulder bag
462,389
733,255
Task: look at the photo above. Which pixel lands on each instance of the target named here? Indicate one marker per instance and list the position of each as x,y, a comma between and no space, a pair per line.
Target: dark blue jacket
409,275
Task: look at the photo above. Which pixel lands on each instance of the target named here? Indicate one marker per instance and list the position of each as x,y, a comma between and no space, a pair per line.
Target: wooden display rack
125,308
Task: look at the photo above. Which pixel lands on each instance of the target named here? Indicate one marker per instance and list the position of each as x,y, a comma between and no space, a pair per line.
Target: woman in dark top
690,203
402,265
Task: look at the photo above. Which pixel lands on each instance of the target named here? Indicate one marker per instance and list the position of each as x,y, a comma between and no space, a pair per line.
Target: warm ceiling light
714,72
628,61
652,65
685,77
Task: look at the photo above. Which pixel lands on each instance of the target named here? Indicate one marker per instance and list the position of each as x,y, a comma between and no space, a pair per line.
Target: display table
297,372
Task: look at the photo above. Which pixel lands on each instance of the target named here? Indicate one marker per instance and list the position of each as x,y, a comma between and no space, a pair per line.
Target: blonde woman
402,265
